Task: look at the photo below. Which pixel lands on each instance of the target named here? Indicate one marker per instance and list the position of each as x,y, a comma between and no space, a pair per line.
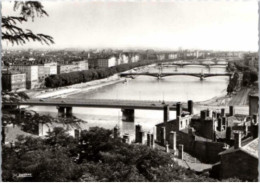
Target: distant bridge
161,75
199,64
212,62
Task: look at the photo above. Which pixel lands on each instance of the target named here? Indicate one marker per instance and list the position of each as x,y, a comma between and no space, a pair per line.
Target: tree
15,34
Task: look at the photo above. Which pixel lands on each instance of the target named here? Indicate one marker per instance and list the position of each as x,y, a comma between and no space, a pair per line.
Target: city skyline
157,25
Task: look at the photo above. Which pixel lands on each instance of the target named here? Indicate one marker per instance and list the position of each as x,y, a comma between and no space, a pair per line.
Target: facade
52,68
41,72
92,63
12,81
106,62
82,65
161,56
31,72
75,66
67,68
172,56
124,59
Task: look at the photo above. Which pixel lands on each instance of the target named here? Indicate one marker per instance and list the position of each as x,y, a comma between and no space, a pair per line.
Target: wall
239,164
253,104
174,125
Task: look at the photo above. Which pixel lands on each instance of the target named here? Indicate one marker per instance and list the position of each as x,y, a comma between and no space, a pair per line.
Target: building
123,58
135,58
92,62
172,56
67,68
106,62
31,72
82,65
41,72
241,160
52,68
13,81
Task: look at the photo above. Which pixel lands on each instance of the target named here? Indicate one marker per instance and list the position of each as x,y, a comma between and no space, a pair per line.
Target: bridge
160,75
127,107
199,64
213,62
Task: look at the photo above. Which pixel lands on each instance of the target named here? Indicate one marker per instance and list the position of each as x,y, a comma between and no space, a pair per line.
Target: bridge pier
69,111
128,115
64,111
61,111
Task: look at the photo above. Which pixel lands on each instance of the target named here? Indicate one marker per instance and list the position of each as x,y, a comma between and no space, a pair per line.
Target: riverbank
239,100
77,88
73,89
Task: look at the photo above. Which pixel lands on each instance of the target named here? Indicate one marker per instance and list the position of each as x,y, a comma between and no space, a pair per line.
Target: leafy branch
15,34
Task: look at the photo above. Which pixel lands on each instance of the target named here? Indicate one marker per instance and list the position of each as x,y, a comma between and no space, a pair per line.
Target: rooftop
248,146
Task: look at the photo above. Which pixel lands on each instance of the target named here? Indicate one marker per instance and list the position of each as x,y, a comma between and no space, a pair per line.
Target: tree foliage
103,158
65,79
14,34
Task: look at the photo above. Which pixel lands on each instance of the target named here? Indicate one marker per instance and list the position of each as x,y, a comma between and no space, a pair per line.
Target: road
241,98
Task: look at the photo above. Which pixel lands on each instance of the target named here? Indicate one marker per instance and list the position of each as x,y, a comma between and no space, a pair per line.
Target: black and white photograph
129,91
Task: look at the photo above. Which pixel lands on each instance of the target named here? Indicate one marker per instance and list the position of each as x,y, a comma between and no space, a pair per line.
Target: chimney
214,114
180,148
166,110
203,115
255,117
228,133
223,112
148,139
237,137
224,122
190,106
231,111
152,141
138,129
116,131
141,135
208,113
218,115
178,109
219,124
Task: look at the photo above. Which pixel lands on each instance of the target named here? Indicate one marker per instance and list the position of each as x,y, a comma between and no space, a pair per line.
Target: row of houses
30,75
21,77
227,141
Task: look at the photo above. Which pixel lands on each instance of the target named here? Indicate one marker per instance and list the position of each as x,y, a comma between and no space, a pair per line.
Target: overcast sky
162,25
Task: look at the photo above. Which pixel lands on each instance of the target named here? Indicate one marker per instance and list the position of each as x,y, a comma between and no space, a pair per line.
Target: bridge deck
177,74
99,103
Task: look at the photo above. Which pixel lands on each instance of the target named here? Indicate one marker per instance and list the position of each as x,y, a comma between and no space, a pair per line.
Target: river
172,88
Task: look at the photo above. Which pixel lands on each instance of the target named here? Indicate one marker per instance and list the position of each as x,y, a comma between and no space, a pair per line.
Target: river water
172,88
